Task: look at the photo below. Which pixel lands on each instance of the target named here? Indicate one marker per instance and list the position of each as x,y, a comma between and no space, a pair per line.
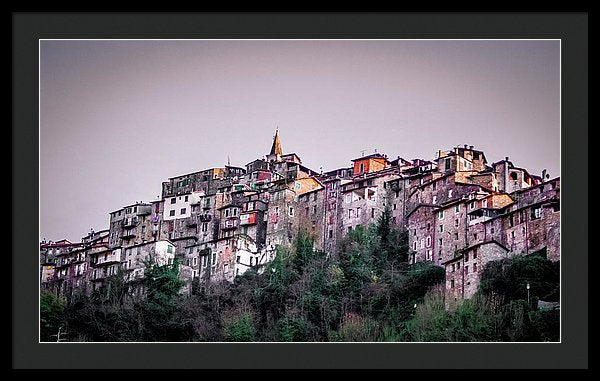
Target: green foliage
304,252
509,278
356,328
162,283
293,329
52,311
499,311
366,292
239,326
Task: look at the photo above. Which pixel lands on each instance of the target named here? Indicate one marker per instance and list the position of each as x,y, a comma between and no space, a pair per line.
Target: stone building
459,213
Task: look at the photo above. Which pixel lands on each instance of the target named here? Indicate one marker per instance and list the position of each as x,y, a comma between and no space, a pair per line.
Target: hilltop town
459,211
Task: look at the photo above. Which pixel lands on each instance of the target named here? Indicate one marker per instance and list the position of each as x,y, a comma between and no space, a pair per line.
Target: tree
509,278
52,315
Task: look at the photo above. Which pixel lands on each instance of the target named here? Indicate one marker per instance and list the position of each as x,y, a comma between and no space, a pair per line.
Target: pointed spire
276,147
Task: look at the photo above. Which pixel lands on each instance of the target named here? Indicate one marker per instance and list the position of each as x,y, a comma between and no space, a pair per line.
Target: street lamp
527,292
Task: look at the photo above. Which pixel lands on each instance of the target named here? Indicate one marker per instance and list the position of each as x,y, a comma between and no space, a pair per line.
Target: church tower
276,152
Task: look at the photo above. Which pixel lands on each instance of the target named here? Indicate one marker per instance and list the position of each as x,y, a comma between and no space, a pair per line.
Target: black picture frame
570,353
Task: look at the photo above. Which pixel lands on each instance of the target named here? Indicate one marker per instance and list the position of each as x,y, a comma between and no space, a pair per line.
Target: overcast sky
120,117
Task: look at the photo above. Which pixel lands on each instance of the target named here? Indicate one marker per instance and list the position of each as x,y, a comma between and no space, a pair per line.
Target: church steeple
276,147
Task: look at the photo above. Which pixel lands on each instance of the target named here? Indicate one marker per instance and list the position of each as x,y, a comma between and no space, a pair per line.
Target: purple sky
120,117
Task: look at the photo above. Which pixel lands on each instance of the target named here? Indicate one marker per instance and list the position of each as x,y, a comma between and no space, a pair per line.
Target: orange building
371,163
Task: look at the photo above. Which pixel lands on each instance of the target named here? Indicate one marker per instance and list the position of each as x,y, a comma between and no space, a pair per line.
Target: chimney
465,146
470,147
506,158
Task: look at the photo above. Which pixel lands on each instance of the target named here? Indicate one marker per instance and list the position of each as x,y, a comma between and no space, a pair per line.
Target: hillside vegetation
368,293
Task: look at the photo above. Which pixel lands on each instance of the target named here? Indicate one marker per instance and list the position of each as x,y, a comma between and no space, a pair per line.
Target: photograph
299,190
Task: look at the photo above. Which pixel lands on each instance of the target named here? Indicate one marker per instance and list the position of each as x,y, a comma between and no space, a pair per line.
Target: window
472,205
453,267
372,212
173,200
331,234
441,228
492,230
434,186
434,201
186,198
422,243
466,269
429,241
452,283
449,193
475,236
415,246
441,214
171,213
536,212
182,211
456,236
440,241
474,267
195,261
467,257
397,194
456,222
314,209
362,168
474,253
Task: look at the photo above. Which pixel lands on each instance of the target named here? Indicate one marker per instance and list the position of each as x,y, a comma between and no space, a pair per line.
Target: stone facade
218,223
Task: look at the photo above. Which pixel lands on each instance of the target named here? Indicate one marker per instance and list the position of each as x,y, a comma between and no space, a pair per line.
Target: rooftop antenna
228,161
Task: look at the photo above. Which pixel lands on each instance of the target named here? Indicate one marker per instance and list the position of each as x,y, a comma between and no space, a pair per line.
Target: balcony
128,234
248,218
143,210
206,251
129,222
230,223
